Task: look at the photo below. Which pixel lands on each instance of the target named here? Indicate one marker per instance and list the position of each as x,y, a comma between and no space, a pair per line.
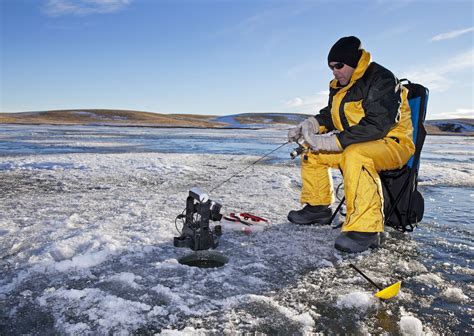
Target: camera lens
215,209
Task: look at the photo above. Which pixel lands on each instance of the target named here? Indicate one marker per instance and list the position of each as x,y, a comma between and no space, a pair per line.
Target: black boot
354,242
311,214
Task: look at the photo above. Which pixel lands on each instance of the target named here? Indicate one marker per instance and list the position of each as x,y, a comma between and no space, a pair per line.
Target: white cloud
83,7
309,104
437,76
451,34
295,102
459,113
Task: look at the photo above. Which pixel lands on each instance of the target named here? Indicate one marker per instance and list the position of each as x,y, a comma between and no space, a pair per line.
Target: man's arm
382,108
324,118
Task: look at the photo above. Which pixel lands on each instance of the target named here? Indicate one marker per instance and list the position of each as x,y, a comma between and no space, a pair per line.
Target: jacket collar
364,62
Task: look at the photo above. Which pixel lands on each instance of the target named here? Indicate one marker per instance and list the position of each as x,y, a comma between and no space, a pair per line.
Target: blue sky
224,57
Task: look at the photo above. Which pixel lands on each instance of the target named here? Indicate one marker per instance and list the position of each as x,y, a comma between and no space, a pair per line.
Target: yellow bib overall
359,162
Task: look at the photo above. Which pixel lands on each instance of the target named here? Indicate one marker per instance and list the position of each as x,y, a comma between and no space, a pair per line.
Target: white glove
322,143
309,125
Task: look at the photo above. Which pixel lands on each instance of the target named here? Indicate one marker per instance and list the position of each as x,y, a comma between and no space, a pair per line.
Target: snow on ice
93,235
86,248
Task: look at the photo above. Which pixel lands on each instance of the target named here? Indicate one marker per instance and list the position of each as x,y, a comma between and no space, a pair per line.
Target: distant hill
262,120
109,118
243,120
462,126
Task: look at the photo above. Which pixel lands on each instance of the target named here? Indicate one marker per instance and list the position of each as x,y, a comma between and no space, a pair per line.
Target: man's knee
353,154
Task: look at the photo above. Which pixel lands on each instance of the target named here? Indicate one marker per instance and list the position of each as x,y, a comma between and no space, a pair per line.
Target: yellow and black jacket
373,105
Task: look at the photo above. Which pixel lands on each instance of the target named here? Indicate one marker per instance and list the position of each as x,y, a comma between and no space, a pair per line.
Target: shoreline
466,134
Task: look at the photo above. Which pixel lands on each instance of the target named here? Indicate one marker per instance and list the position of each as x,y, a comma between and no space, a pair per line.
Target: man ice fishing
366,128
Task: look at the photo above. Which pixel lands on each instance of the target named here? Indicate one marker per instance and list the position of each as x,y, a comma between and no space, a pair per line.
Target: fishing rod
383,293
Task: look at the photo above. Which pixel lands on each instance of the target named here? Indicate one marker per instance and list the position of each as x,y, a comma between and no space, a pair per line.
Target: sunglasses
337,66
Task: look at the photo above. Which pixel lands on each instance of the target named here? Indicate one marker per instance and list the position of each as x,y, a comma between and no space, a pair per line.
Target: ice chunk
82,261
429,279
107,312
185,332
361,301
455,295
127,278
304,319
410,325
61,252
74,221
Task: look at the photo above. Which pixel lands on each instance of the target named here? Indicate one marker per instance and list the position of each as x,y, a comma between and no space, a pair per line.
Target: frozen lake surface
87,224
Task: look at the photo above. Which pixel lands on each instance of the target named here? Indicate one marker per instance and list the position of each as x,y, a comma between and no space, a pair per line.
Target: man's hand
322,143
310,126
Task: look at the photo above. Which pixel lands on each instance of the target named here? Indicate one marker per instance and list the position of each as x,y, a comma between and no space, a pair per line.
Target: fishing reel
302,148
196,233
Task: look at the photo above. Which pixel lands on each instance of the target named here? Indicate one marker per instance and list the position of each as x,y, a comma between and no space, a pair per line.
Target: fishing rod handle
365,276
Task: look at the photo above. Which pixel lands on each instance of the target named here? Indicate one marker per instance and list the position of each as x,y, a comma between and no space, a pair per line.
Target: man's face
342,72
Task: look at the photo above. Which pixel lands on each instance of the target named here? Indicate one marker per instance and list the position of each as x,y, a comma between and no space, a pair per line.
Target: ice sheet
86,247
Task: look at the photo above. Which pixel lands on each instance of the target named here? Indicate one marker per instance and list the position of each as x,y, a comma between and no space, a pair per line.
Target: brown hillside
108,117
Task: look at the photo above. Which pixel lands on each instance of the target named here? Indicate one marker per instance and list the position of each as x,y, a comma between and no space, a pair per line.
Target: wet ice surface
86,236
17,140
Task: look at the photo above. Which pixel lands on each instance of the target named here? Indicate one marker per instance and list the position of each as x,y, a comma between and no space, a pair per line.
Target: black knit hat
346,50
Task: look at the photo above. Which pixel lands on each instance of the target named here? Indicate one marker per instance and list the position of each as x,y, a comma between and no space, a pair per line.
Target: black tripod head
196,233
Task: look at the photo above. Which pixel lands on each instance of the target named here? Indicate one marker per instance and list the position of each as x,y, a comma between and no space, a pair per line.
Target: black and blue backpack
403,203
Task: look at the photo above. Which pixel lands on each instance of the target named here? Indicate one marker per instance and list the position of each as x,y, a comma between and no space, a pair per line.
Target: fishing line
183,215
260,159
